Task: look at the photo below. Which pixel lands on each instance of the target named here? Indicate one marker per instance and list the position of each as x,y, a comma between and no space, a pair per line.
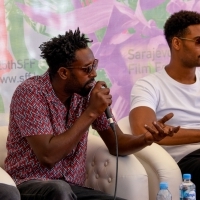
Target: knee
61,190
9,192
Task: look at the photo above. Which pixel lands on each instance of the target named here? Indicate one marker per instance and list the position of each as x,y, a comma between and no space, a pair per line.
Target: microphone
110,119
109,116
112,125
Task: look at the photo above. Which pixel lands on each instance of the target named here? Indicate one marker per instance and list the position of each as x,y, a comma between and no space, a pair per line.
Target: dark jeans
58,190
8,192
190,164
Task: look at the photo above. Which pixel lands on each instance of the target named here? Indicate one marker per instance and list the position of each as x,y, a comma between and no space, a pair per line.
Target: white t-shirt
164,95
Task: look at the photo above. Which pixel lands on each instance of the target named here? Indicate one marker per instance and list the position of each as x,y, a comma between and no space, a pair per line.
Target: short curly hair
60,51
176,25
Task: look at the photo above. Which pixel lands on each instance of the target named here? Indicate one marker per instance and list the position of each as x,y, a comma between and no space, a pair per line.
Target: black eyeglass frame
88,69
196,40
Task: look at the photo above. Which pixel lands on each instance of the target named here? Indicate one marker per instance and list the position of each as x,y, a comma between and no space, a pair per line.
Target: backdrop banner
127,39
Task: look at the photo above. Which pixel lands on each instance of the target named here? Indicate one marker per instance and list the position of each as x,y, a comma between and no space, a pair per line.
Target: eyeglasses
88,69
196,40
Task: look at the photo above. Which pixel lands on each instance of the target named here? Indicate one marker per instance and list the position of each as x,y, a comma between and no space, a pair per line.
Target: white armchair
132,177
159,165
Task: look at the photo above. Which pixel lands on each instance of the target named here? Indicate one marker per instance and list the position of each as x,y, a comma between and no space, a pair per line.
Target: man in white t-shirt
175,89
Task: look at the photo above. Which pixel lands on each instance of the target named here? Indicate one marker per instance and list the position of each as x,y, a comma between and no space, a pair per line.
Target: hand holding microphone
108,114
100,99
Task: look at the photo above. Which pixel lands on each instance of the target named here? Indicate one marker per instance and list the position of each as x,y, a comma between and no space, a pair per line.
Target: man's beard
85,91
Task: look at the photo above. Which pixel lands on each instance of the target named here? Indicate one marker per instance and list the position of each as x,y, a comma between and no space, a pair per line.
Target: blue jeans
58,190
9,192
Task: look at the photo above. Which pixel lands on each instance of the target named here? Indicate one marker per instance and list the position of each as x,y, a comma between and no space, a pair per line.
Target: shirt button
109,180
106,163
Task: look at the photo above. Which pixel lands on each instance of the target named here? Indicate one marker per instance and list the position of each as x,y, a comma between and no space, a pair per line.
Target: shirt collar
50,93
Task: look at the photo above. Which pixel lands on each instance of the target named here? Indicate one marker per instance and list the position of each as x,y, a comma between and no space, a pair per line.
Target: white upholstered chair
132,177
159,165
139,174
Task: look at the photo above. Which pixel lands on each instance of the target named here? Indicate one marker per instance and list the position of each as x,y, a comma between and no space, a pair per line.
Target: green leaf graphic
62,6
18,46
158,14
100,34
102,76
39,28
2,110
132,4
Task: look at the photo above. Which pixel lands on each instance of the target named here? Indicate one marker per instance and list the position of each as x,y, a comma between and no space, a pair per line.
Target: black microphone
109,116
112,125
110,119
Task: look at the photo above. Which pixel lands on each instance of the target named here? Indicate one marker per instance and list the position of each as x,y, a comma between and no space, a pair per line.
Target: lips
91,84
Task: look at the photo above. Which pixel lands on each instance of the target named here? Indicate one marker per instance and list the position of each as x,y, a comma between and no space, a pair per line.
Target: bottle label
189,195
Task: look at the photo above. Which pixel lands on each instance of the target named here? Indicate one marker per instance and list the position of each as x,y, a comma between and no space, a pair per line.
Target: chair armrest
6,178
101,170
3,139
158,163
160,166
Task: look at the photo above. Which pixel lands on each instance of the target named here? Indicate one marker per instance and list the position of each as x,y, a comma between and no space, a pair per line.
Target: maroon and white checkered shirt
36,110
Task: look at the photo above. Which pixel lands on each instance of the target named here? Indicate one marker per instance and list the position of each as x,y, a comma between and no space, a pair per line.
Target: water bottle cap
186,176
163,185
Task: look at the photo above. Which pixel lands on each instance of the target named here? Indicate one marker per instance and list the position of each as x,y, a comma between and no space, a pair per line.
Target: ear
63,73
176,43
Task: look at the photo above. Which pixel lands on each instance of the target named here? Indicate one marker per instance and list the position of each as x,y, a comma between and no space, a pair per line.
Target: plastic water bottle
164,193
187,188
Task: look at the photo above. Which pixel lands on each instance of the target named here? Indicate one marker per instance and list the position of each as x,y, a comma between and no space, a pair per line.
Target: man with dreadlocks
49,120
175,88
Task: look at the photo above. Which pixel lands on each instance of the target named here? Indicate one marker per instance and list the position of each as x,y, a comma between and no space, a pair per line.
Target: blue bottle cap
186,176
163,185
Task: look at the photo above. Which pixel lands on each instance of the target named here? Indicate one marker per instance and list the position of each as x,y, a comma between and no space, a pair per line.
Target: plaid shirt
36,110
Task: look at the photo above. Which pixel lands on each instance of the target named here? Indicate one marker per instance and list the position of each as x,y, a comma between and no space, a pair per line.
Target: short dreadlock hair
177,24
60,51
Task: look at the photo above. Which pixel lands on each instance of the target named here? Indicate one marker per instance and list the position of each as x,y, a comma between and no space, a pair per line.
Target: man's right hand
160,130
100,98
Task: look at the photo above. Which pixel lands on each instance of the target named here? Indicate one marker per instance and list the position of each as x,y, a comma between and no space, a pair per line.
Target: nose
93,73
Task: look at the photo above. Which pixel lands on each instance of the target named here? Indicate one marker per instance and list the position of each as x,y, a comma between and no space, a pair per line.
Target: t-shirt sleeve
144,93
30,112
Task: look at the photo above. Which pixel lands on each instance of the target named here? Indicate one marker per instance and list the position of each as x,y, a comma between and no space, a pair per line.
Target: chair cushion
5,178
3,138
